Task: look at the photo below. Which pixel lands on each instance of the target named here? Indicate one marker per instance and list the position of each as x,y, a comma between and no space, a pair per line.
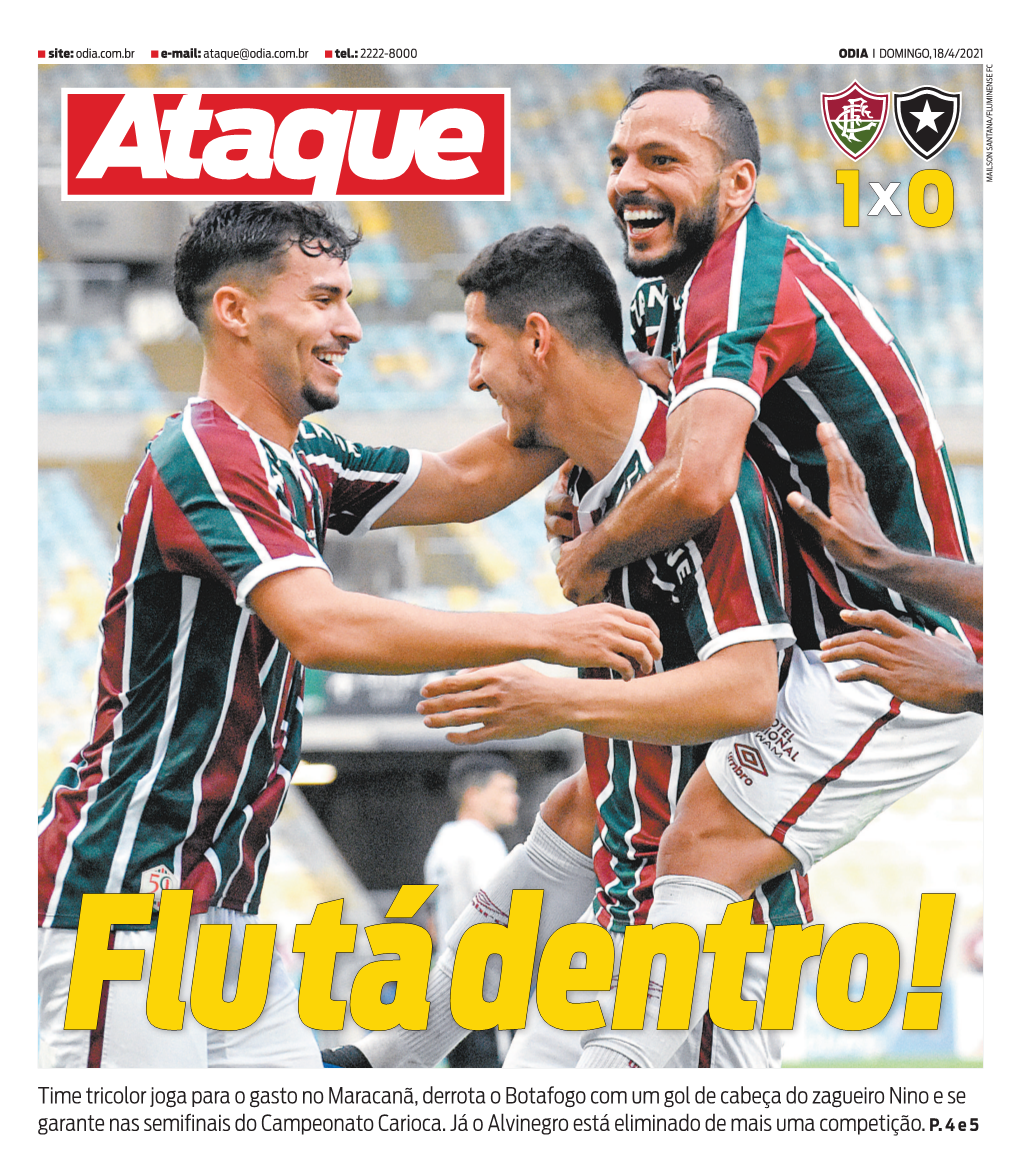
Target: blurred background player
220,599
465,853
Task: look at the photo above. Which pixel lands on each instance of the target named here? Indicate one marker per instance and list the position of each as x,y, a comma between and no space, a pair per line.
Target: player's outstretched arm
325,628
853,538
477,478
733,691
692,482
938,672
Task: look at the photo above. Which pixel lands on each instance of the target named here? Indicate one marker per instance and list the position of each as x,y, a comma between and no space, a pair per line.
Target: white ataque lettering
137,110
325,167
256,143
345,134
430,143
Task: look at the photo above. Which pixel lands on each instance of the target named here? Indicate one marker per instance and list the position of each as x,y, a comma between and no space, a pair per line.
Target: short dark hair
254,235
734,123
555,272
475,770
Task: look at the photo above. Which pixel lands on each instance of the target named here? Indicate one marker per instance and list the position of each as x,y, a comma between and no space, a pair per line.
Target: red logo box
190,144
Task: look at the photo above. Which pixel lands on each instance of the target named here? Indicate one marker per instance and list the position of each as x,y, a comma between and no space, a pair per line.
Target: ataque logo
927,118
855,118
282,144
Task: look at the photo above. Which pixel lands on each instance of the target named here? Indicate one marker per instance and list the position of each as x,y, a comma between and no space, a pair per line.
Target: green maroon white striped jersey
724,587
197,729
768,316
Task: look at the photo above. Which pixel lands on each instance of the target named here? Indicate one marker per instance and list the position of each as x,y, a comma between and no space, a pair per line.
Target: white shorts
124,1038
540,1046
836,755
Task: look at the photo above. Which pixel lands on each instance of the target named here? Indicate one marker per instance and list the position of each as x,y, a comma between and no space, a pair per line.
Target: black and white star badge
927,118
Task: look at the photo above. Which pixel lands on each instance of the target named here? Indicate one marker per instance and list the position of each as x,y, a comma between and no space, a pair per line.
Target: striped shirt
197,728
768,316
722,588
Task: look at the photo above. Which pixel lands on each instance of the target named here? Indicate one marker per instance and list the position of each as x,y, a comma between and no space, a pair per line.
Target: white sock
545,861
699,904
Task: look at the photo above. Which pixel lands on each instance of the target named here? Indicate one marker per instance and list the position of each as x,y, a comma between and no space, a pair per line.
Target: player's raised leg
711,855
553,859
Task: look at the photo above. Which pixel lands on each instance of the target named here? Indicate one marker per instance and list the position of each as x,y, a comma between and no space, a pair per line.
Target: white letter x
884,200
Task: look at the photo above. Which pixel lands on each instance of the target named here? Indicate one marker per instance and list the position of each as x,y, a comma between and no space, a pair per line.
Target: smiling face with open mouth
663,185
303,328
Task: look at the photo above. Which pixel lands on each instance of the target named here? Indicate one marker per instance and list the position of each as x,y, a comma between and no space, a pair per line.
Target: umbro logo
748,757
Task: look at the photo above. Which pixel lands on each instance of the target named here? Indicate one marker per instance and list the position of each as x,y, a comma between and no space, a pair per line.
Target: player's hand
579,581
560,514
510,701
652,369
602,636
938,672
850,533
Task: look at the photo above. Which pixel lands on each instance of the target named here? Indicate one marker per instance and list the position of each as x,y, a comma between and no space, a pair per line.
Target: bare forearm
325,628
688,487
656,515
950,585
970,690
853,538
688,706
385,636
478,478
733,691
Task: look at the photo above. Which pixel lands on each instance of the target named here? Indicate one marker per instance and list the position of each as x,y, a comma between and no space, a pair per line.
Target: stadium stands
99,270
75,554
413,360
562,117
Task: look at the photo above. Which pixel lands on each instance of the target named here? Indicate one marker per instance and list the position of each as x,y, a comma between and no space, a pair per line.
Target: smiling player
544,318
220,597
769,341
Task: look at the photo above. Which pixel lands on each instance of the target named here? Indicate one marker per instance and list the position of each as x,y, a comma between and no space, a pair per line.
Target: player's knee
685,845
702,834
569,812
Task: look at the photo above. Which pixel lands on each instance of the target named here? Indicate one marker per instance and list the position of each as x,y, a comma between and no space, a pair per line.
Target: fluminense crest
855,118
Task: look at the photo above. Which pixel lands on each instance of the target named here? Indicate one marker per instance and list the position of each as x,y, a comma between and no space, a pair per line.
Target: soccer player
770,340
220,597
466,850
544,318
